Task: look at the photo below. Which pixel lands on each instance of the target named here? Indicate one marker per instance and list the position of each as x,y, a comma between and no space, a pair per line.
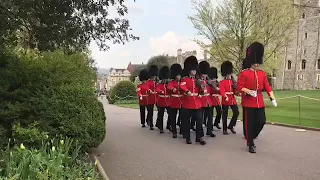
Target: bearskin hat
213,73
175,70
191,63
245,64
153,70
164,73
226,68
255,53
143,75
204,67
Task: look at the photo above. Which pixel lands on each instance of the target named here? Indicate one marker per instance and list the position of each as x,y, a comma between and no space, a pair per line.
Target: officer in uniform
142,93
207,105
245,66
227,91
163,97
215,95
191,102
252,82
176,97
151,84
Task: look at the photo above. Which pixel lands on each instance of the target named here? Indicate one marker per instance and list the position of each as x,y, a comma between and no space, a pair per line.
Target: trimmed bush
56,91
124,90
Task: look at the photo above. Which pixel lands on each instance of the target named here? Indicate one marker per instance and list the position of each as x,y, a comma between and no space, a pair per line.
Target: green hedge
54,90
124,90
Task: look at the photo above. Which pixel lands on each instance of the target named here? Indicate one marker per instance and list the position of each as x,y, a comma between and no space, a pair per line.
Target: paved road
130,152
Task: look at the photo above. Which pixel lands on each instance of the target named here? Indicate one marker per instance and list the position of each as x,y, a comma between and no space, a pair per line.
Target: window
300,76
318,77
289,65
303,64
318,64
306,35
304,51
303,15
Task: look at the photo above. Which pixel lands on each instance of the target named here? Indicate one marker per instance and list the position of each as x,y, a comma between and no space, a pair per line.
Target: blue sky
163,27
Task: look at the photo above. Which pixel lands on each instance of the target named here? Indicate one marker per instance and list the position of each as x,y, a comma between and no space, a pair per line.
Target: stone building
115,76
299,67
181,56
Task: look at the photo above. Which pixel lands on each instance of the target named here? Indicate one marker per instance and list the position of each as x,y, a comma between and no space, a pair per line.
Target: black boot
161,131
193,128
211,134
252,149
225,133
232,130
217,126
201,141
188,141
174,135
151,128
143,125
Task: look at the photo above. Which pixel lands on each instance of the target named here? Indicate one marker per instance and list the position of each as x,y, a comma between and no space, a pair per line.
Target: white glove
253,93
140,98
274,102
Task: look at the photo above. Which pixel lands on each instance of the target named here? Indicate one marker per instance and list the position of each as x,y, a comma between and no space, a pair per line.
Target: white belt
229,93
194,94
176,95
206,94
215,95
164,96
144,95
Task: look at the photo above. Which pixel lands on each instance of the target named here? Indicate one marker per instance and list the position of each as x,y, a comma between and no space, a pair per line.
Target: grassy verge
287,111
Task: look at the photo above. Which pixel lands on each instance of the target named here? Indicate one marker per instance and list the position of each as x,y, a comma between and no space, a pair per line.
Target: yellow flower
61,142
22,146
10,153
53,148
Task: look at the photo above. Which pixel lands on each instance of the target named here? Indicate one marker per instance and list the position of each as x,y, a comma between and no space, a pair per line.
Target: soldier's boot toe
252,149
225,133
188,141
151,128
143,125
174,135
193,129
201,141
161,131
217,126
232,130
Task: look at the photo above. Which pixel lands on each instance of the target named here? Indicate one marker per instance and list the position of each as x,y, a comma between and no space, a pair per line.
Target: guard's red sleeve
158,89
241,82
222,90
183,86
266,84
170,86
139,90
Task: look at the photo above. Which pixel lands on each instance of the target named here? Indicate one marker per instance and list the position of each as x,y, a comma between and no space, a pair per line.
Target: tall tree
233,25
160,61
70,24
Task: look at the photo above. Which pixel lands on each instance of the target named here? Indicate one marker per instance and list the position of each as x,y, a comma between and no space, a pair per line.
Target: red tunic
206,97
257,81
151,84
215,97
193,101
163,93
176,95
226,90
142,93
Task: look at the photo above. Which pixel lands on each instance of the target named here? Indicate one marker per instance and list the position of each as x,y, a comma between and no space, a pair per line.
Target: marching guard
163,100
142,93
191,102
252,82
176,97
215,95
207,105
245,66
227,91
151,84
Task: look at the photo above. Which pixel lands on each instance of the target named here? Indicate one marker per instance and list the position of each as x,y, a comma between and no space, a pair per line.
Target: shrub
54,89
124,90
56,159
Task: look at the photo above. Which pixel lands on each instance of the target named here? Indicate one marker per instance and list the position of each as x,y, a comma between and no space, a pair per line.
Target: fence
299,108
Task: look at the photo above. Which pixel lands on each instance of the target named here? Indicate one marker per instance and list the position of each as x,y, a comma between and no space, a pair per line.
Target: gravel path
130,152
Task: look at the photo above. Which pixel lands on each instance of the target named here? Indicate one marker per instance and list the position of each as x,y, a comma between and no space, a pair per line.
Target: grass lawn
287,111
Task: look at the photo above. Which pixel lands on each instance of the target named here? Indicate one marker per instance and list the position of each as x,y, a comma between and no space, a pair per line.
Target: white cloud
169,43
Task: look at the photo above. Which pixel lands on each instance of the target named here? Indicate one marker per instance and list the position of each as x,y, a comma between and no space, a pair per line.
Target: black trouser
218,115
205,118
150,114
235,114
244,121
173,119
209,112
255,120
160,117
179,118
196,115
143,114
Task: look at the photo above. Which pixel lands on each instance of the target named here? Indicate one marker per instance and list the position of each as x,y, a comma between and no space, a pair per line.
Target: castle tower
179,56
